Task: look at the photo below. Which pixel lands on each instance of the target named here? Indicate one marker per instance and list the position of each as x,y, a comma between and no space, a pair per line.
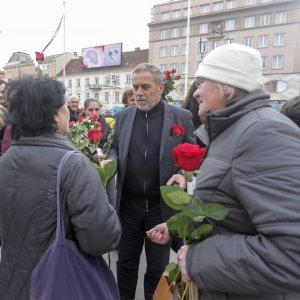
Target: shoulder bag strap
60,226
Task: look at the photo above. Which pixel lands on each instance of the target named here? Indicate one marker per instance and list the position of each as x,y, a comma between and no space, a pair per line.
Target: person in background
190,103
73,106
93,107
2,88
142,146
128,98
2,74
252,167
292,109
5,131
40,120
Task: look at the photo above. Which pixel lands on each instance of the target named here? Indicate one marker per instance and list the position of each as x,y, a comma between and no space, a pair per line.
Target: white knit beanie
233,64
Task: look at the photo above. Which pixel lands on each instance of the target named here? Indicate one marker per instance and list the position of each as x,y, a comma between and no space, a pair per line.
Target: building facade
21,64
270,26
104,83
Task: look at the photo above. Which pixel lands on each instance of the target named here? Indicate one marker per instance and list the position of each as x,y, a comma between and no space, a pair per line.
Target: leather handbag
66,273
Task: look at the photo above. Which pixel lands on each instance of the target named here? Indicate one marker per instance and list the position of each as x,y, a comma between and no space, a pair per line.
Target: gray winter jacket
253,168
28,208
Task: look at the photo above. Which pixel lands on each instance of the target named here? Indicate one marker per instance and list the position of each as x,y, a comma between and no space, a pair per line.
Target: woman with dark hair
292,109
93,107
40,120
190,103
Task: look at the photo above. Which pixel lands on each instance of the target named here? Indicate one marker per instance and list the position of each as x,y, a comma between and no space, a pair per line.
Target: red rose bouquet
189,222
169,82
86,134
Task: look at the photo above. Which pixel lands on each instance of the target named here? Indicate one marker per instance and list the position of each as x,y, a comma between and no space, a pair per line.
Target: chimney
137,49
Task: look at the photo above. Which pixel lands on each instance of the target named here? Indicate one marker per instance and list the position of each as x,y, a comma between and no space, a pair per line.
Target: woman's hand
159,234
178,179
181,257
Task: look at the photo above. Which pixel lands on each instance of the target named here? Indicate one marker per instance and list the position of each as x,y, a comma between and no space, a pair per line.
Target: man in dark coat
142,146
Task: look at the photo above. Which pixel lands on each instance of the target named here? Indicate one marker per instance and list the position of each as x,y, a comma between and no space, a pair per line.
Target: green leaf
165,193
172,272
195,209
180,197
215,211
201,231
107,171
178,223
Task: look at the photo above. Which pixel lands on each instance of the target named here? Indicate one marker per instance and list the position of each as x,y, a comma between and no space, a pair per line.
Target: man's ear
161,88
56,119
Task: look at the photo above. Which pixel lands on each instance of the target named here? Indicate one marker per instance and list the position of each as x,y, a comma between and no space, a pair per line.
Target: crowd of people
250,167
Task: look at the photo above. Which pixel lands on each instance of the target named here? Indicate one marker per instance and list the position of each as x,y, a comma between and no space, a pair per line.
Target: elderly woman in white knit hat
252,167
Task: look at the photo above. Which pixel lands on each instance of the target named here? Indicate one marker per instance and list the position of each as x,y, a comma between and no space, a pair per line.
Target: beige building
21,64
271,26
104,83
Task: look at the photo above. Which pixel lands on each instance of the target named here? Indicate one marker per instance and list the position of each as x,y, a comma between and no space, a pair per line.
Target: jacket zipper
147,132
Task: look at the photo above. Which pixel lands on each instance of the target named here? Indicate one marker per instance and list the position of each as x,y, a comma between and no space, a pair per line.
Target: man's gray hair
146,67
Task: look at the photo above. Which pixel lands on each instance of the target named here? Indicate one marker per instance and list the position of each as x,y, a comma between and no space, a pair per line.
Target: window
117,96
202,47
264,61
277,62
218,6
107,80
204,8
174,66
176,13
249,22
106,97
87,95
96,95
174,50
163,34
183,68
78,82
280,17
263,41
248,41
228,41
70,83
185,30
250,2
163,52
264,20
185,12
203,28
279,39
183,50
165,16
78,95
96,80
231,4
175,32
229,24
87,81
163,67
128,78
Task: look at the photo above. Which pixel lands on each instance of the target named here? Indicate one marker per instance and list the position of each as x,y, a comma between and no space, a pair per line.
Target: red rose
173,71
188,157
80,119
177,77
168,76
177,130
94,135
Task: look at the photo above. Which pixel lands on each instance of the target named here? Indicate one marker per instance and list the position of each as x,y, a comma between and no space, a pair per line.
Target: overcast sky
27,26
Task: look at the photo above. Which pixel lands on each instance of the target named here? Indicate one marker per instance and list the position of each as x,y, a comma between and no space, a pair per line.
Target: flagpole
64,43
187,46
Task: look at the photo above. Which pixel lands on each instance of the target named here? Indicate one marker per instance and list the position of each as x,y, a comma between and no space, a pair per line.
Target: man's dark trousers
135,222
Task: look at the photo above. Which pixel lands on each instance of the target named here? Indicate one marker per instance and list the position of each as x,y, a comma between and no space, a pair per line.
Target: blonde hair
2,116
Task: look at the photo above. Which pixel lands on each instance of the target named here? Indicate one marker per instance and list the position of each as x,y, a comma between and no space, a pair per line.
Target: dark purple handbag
66,273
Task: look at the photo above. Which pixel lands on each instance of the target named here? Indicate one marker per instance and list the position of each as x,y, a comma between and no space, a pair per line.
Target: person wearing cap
252,167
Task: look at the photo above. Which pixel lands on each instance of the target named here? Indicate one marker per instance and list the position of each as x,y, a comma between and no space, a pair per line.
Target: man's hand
159,234
178,179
